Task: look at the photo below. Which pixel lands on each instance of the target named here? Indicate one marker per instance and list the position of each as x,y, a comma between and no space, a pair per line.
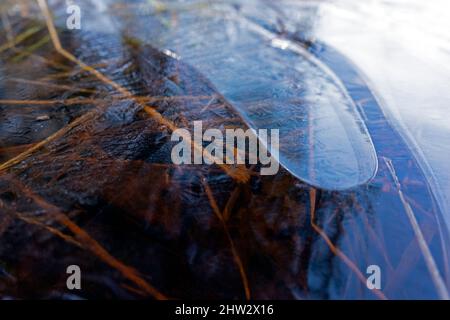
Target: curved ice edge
431,189
327,52
298,49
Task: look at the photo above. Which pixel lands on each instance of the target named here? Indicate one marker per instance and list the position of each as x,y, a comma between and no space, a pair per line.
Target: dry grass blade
90,243
34,221
237,259
51,85
29,50
24,155
21,37
239,173
50,102
429,260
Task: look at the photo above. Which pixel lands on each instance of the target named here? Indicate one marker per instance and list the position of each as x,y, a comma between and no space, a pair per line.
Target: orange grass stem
238,173
236,257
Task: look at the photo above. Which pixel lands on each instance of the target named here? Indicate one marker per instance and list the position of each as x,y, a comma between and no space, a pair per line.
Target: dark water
182,228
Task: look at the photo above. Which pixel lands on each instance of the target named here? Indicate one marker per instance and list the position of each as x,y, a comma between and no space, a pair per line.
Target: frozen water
276,84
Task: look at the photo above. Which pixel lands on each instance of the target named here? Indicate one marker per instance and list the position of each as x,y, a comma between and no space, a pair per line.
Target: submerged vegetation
86,178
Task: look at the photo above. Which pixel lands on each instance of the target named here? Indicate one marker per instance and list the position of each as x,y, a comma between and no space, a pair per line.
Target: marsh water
361,110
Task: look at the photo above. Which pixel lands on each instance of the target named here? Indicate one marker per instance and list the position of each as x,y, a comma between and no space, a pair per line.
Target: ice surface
275,84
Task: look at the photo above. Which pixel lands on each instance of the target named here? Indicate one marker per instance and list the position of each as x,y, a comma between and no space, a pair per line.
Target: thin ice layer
275,84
